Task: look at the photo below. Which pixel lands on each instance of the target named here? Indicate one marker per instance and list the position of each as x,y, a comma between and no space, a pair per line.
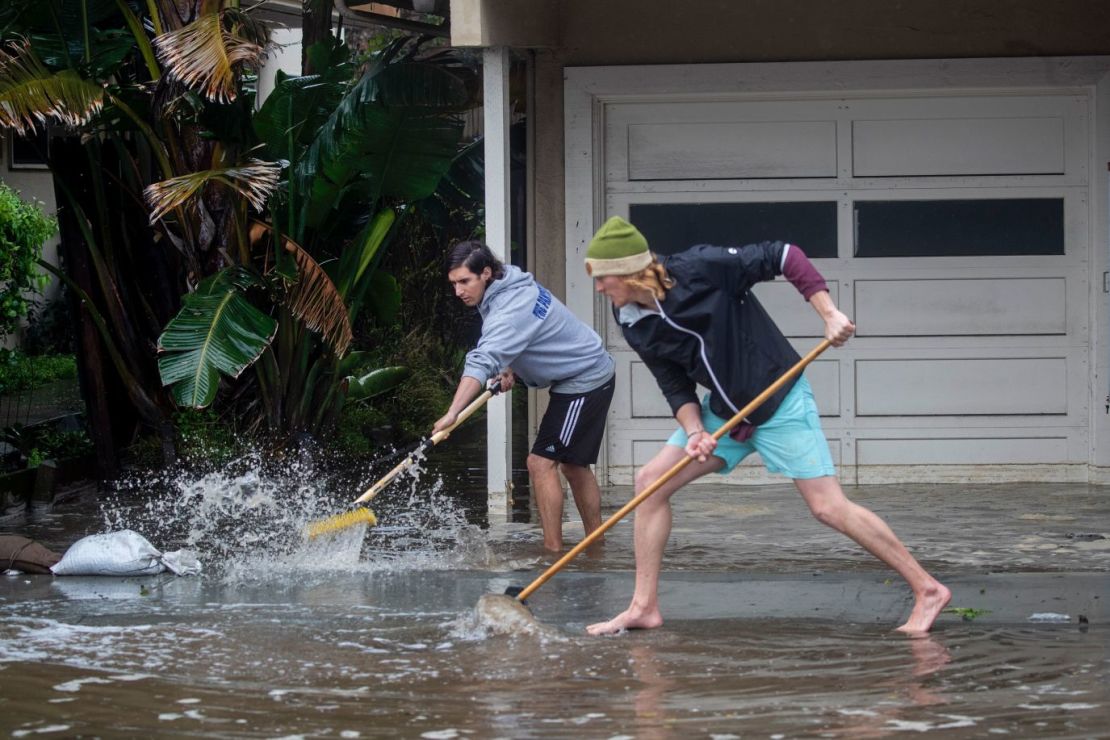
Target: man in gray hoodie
529,335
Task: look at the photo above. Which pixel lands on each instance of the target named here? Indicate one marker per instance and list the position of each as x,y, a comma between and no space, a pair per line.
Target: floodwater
776,627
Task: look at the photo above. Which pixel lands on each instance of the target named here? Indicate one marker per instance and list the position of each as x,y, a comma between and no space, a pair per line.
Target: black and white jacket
710,329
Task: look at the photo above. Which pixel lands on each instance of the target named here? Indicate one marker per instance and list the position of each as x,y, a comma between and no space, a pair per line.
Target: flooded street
775,626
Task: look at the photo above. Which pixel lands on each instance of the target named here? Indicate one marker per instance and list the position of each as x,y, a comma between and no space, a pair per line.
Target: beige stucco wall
636,32
589,32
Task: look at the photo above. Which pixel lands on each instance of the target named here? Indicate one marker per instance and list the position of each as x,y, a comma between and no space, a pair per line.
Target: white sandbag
122,553
182,562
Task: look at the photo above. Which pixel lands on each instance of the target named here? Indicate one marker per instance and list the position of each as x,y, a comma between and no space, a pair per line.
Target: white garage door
952,228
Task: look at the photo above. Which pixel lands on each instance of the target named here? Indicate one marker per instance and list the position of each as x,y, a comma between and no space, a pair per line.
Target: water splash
496,615
248,519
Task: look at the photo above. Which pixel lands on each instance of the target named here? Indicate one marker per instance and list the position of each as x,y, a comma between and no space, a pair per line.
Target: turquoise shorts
790,442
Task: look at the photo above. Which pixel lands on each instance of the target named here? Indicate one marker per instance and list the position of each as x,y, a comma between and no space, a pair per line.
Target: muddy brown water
774,627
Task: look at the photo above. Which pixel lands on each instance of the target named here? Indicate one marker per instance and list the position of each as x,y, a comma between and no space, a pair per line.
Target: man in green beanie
693,320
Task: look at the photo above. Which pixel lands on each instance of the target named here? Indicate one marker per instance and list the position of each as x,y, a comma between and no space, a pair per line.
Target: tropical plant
359,153
111,73
24,228
271,224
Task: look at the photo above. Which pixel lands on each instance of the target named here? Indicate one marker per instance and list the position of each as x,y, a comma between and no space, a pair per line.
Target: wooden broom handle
428,442
640,497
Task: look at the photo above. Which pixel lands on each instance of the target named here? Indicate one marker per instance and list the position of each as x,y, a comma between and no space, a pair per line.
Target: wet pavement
775,626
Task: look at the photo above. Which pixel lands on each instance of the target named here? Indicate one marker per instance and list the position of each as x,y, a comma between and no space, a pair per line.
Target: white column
495,77
284,54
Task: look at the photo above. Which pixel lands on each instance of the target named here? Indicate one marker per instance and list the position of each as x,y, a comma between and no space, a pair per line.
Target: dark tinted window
959,228
673,227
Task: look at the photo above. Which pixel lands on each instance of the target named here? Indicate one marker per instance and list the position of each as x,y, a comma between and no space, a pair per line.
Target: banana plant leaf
294,112
107,50
383,295
216,331
391,136
353,263
353,362
376,382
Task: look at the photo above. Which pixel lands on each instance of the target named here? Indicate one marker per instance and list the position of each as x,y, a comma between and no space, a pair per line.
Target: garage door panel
937,387
824,378
794,316
738,150
963,451
962,307
648,401
958,146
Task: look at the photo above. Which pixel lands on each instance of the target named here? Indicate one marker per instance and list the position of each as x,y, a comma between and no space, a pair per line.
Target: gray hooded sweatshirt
530,330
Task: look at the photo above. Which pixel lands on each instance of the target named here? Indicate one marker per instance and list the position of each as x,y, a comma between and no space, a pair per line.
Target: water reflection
914,687
649,703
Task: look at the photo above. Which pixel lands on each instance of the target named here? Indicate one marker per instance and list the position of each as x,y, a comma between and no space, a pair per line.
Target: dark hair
474,256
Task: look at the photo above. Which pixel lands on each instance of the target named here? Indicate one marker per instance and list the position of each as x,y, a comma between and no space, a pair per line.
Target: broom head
340,522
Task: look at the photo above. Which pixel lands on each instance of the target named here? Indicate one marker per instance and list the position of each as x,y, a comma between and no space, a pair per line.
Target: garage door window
673,227
960,228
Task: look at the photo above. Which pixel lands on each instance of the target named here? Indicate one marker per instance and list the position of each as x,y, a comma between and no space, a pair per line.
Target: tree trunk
315,26
68,165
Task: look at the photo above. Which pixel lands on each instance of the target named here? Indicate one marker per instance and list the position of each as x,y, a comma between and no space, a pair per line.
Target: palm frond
31,95
256,181
316,301
217,331
203,55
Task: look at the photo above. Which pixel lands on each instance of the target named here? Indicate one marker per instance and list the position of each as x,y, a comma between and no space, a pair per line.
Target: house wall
591,33
581,33
572,33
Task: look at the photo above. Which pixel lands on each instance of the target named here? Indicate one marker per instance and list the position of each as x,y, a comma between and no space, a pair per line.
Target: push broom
363,515
515,595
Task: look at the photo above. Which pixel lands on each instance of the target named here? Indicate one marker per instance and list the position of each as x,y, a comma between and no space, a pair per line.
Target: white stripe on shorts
571,421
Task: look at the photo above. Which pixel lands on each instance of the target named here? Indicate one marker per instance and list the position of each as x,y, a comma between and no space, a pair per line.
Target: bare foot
628,620
926,610
595,549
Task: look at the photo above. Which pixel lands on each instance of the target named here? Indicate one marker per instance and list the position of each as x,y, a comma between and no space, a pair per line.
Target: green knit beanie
618,248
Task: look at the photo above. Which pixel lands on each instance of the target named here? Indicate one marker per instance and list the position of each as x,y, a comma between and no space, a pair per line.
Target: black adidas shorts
573,425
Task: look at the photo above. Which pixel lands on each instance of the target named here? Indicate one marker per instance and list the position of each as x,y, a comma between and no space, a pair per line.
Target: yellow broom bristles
341,521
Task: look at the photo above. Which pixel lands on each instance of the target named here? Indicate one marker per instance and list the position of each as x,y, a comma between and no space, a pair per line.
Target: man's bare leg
827,502
587,495
548,490
650,533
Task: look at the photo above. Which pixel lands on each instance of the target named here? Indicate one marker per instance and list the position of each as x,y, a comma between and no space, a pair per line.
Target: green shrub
43,442
50,328
361,430
19,372
412,408
24,228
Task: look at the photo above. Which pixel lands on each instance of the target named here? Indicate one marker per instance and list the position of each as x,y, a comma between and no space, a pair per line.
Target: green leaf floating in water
966,612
